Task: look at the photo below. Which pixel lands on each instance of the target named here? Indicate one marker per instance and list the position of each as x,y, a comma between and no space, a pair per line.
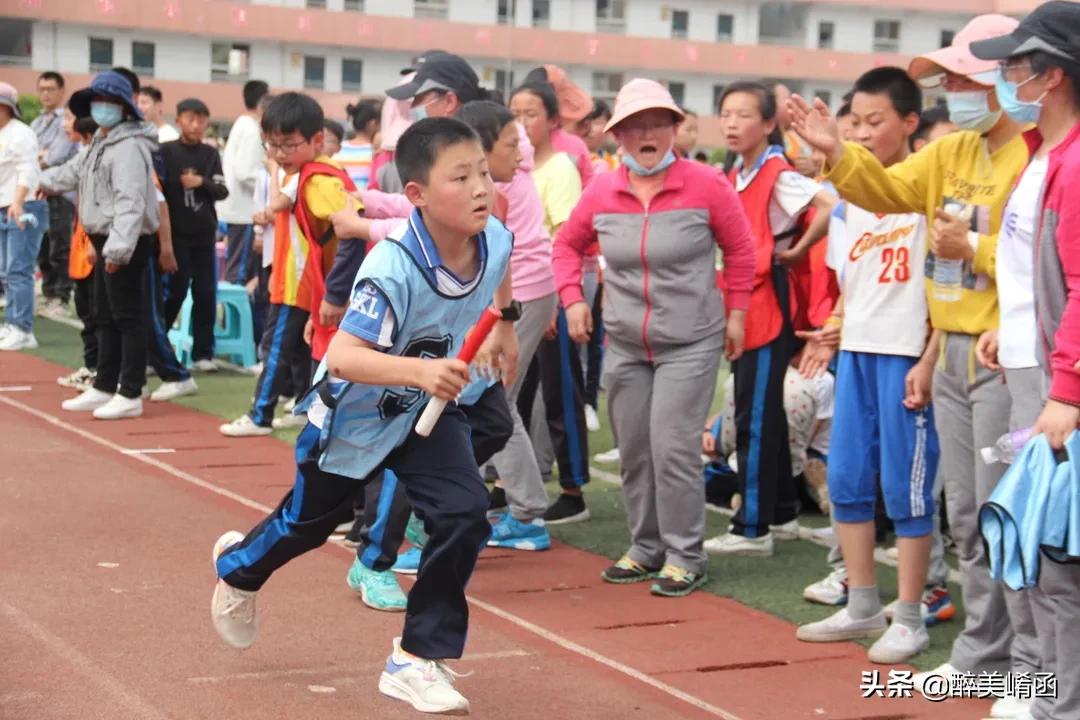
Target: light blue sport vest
369,421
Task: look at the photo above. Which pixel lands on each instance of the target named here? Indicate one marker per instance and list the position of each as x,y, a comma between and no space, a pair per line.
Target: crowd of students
864,377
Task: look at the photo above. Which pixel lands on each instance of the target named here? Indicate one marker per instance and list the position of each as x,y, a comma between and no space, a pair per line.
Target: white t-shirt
791,196
241,162
167,133
1015,270
879,263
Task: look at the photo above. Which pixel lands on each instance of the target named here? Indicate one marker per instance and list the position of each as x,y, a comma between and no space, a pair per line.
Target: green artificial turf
773,585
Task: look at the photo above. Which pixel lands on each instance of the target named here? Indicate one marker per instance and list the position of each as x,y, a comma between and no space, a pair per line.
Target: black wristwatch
512,312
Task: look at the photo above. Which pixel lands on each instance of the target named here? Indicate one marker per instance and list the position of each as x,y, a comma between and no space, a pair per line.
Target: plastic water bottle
949,274
1007,447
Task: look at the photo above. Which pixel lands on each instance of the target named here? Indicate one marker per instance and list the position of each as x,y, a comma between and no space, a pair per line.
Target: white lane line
498,612
351,669
16,388
150,451
136,707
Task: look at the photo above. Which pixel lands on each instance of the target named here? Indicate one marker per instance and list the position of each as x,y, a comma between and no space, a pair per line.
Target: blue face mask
106,114
638,169
970,110
418,113
1019,110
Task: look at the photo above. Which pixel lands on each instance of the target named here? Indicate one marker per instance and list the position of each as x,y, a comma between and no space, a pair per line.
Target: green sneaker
674,581
378,590
627,571
415,533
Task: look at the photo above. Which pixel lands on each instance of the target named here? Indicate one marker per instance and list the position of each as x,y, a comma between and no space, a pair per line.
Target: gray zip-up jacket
115,180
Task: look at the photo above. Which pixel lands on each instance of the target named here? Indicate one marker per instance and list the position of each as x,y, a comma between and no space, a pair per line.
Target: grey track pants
972,411
516,463
657,410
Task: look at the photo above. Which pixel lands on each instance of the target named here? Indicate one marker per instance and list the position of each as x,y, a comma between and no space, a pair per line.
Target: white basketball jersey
879,262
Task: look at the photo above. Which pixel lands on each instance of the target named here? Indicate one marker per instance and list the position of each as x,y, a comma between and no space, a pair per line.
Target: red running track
106,582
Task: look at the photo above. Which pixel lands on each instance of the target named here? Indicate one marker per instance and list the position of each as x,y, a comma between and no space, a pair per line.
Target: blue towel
1061,539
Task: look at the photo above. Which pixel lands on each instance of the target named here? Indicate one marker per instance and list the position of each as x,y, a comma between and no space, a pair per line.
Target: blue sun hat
110,84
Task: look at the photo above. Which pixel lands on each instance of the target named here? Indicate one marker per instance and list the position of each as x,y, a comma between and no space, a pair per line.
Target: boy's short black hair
335,128
928,120
54,76
194,105
151,92
253,92
85,126
487,119
132,78
418,147
903,92
293,111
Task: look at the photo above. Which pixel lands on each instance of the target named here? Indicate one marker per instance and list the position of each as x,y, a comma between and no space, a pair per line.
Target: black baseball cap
1052,28
443,71
417,61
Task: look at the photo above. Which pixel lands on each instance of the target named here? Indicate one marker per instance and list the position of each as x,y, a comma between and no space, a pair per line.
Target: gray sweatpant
657,410
1055,602
971,406
516,463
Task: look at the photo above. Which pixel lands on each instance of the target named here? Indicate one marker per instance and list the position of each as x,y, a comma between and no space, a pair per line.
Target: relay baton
472,344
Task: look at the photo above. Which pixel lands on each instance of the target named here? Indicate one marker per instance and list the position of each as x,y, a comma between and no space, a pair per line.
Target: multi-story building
339,49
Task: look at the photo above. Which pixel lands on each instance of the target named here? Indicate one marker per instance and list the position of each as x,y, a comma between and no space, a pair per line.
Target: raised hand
816,125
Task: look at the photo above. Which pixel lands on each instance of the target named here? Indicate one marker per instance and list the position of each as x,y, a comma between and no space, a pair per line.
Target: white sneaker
787,531
841,626
427,685
90,400
5,329
592,420
174,389
54,308
732,544
1010,707
832,590
611,456
16,339
206,366
893,553
119,407
289,405
81,379
244,426
232,610
899,644
945,670
289,421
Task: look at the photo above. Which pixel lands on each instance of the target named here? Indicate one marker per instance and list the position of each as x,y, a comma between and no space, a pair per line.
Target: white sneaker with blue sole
427,685
408,562
511,533
378,590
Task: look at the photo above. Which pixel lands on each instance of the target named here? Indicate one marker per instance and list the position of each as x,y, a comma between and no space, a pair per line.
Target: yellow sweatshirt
955,167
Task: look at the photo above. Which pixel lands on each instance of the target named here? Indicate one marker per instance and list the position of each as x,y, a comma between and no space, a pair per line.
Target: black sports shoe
626,571
567,509
496,500
674,581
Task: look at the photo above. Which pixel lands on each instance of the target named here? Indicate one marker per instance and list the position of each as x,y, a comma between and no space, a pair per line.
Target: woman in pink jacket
659,221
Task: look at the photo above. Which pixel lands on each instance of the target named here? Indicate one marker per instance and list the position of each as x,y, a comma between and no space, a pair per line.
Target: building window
433,9
314,72
15,42
605,86
352,75
611,16
826,34
354,5
142,58
100,54
504,13
781,22
541,16
947,37
504,82
717,95
678,92
315,4
886,35
229,62
725,28
680,24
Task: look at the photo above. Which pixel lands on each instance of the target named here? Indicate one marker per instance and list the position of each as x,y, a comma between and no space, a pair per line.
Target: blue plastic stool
234,333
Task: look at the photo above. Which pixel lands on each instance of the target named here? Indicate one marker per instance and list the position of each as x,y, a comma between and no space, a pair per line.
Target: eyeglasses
287,148
1009,69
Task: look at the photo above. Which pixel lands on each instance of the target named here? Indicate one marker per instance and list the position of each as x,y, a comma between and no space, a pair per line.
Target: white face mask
970,110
